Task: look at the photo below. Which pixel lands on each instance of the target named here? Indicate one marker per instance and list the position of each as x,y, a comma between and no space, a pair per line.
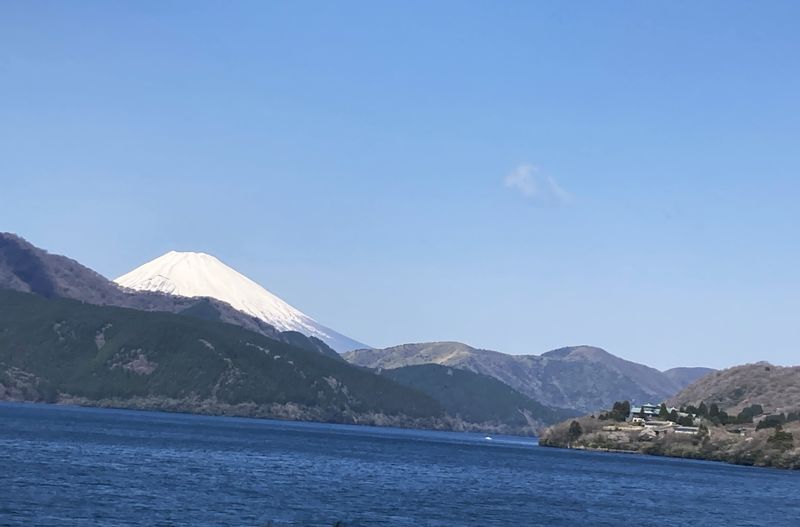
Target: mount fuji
194,274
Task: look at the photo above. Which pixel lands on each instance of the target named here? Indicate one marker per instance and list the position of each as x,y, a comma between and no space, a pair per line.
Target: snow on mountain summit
194,274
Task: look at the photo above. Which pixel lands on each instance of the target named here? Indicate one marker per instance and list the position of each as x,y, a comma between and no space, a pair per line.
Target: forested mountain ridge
60,350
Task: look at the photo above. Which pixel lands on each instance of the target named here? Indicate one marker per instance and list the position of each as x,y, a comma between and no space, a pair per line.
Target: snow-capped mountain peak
195,274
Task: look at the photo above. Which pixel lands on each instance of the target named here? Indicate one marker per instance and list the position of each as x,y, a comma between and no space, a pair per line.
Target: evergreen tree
781,439
575,431
620,411
771,421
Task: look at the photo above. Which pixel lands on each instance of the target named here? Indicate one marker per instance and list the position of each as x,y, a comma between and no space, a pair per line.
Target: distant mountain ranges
582,378
68,334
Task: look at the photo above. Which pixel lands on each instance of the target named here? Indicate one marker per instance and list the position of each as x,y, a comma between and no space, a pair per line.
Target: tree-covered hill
475,397
64,350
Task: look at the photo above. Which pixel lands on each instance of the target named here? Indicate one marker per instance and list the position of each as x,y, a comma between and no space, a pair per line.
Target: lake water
79,466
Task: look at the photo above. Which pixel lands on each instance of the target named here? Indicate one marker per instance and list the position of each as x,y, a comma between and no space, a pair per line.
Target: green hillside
65,350
475,397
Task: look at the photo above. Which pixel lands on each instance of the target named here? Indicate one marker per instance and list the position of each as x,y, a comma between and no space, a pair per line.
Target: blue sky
518,176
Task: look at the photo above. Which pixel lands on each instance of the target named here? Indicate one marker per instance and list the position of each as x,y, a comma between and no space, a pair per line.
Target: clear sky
519,176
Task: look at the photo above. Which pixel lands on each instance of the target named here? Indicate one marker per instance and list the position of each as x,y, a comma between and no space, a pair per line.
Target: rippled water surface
76,466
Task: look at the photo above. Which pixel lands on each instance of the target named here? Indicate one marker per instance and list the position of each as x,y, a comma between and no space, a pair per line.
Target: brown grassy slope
776,388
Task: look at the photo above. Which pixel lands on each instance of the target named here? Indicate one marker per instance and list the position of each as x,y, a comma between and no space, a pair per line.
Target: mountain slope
683,377
775,388
24,267
27,268
475,397
581,378
57,349
650,379
192,274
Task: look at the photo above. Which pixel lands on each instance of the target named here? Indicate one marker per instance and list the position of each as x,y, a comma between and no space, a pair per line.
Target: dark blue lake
78,466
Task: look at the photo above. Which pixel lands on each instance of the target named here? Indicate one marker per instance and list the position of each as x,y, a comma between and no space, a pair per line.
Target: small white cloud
522,179
532,184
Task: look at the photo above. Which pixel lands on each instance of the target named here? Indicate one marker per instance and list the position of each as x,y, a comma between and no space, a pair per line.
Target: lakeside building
648,416
692,430
648,411
644,411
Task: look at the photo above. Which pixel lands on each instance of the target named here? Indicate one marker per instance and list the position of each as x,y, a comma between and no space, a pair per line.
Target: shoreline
381,424
717,444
